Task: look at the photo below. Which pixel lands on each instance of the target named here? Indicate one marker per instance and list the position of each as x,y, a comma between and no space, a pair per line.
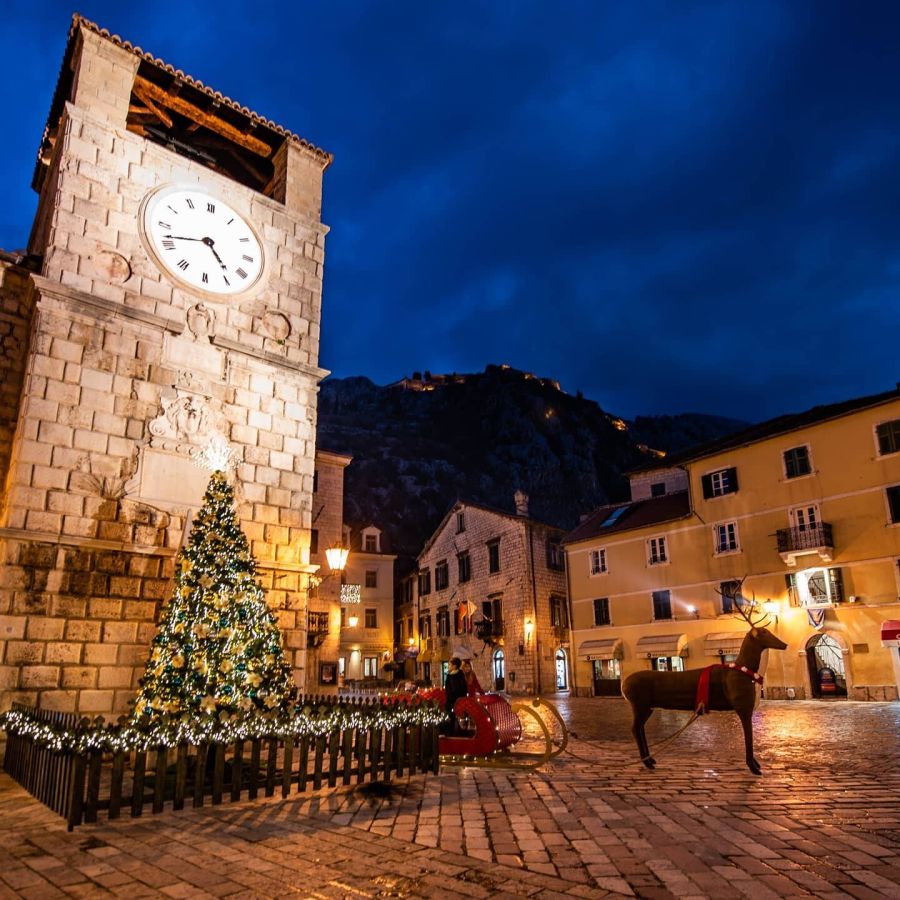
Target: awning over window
723,643
662,645
890,633
608,648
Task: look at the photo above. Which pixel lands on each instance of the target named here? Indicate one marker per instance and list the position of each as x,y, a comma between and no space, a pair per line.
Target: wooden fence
81,786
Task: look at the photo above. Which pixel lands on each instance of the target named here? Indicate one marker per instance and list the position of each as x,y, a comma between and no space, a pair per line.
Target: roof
772,428
64,80
637,514
459,504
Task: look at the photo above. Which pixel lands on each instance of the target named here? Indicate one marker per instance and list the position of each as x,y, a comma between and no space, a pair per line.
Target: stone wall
524,582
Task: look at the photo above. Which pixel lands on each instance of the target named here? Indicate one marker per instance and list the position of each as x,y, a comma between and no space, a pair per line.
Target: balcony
488,632
794,542
316,628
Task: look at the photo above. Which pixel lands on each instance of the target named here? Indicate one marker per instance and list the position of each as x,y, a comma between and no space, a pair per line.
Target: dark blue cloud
671,207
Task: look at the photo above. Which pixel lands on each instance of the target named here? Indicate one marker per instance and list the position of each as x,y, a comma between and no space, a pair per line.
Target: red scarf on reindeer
701,701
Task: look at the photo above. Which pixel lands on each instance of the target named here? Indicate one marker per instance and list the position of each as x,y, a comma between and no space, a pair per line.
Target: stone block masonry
113,374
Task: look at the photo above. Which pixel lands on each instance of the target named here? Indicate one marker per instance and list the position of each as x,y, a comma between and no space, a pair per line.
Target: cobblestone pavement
823,821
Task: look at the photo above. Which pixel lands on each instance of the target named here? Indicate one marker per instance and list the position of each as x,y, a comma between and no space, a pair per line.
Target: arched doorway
827,675
562,670
499,670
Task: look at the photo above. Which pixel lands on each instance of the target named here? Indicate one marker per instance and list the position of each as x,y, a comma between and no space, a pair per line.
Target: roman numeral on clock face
168,244
189,202
211,207
163,224
226,280
241,272
205,278
183,264
248,258
245,240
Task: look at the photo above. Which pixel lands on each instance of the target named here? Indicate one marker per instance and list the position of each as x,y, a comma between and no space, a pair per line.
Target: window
371,618
716,484
492,613
370,666
441,575
460,522
316,481
614,516
371,578
424,627
656,551
462,623
662,605
893,499
555,556
559,615
343,617
493,556
725,537
888,435
464,564
598,562
658,489
796,462
730,592
424,582
443,622
601,611
371,543
815,588
313,541
805,518
408,590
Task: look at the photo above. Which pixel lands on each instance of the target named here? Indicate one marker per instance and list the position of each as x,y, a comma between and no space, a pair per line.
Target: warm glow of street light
337,557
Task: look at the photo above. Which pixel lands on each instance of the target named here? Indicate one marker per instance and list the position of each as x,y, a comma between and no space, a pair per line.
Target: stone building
170,295
492,584
350,616
801,512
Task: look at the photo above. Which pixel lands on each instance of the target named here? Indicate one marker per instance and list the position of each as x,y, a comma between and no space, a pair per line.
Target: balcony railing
794,542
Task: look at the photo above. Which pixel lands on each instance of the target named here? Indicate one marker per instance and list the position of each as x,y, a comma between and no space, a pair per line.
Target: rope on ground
658,746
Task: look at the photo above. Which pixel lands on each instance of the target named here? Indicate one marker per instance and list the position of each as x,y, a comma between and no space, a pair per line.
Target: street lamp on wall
529,630
772,608
336,557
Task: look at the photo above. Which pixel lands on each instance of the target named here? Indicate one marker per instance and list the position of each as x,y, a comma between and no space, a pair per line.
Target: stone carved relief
187,421
110,266
276,326
201,321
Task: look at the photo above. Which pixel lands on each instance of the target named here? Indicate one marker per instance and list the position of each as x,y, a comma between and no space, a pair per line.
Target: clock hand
178,237
209,243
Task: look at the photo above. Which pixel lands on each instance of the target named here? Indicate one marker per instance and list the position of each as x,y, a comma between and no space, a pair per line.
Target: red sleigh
498,728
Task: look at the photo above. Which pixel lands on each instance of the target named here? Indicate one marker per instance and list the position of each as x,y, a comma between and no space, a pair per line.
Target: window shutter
706,482
732,479
836,578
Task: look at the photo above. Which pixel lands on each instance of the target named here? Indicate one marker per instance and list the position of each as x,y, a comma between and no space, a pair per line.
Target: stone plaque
171,479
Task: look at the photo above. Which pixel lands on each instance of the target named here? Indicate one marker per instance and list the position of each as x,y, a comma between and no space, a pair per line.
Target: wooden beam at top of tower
147,90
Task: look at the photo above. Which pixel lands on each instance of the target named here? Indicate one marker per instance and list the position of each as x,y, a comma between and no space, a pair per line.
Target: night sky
669,206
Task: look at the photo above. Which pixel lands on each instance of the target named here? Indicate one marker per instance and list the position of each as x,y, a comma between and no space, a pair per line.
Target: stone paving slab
591,824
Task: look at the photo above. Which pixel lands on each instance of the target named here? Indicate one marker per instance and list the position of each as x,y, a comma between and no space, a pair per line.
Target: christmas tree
218,651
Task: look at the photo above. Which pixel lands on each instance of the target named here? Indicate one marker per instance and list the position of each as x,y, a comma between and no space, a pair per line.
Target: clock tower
170,296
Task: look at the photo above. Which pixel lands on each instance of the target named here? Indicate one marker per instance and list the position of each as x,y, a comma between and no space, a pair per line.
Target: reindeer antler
738,606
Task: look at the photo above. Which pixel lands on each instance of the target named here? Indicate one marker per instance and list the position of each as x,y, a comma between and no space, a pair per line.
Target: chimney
521,499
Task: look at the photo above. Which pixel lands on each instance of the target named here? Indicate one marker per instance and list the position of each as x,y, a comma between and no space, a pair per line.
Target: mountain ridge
425,441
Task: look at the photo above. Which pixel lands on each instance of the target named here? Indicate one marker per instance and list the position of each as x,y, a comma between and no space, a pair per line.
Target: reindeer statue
721,686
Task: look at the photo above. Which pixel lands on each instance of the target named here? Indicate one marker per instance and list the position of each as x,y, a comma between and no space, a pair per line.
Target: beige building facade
351,615
170,298
491,585
801,513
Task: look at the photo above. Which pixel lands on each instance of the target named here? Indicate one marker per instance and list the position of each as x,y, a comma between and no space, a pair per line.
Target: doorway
607,678
562,670
499,670
827,675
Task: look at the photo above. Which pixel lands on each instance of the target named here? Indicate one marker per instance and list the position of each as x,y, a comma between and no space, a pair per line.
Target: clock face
201,242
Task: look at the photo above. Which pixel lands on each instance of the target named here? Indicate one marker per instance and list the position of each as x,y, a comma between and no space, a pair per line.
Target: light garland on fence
310,720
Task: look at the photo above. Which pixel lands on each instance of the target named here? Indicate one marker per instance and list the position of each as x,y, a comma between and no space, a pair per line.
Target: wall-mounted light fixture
772,608
352,621
692,610
529,630
336,557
